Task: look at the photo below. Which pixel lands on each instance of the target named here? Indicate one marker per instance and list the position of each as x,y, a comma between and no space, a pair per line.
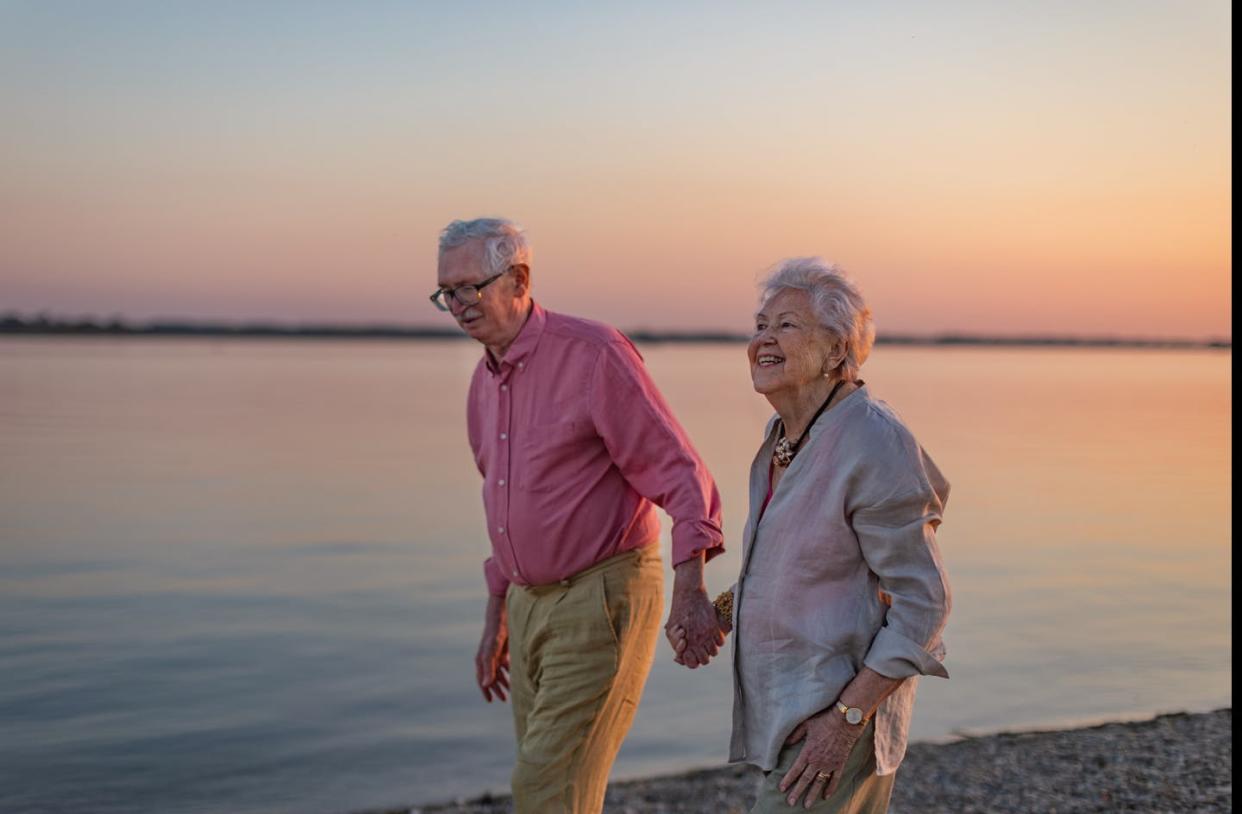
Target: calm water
244,576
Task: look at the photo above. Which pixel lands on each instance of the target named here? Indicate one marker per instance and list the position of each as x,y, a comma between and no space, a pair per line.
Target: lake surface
244,575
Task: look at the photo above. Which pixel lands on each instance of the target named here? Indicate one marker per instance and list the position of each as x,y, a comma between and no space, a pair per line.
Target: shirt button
504,387
502,481
502,529
515,573
504,435
521,364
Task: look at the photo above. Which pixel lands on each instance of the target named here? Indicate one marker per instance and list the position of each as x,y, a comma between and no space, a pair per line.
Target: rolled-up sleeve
653,452
897,537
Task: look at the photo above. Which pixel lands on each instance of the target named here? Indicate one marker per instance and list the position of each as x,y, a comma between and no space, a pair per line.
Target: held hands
692,630
679,639
491,663
816,772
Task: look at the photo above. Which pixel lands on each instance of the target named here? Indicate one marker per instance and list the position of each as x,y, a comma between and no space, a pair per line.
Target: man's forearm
688,576
496,613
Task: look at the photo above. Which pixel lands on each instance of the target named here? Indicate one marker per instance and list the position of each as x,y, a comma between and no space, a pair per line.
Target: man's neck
498,351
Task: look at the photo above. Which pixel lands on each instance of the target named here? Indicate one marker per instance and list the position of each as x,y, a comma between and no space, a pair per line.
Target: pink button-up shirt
575,443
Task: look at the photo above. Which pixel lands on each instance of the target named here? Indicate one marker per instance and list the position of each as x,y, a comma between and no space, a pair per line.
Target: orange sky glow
1011,168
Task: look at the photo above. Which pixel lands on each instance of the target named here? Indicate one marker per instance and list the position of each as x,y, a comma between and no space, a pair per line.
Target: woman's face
789,350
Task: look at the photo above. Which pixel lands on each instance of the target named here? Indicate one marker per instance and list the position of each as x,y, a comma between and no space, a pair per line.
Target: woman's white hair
504,242
836,301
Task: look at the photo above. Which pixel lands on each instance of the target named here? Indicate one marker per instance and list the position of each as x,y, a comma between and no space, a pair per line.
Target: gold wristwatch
853,715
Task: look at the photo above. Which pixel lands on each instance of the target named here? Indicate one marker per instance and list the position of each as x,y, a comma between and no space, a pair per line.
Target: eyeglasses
466,295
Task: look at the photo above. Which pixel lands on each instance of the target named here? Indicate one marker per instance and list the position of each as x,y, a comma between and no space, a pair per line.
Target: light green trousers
860,791
580,651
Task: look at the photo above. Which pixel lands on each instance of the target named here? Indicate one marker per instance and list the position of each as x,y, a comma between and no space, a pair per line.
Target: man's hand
491,664
692,629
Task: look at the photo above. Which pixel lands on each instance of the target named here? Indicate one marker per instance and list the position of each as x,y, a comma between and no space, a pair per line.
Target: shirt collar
770,436
523,346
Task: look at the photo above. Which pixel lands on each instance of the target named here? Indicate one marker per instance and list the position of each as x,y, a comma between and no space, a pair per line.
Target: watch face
854,716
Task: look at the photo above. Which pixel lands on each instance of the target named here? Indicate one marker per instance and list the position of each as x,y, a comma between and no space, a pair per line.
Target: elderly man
575,444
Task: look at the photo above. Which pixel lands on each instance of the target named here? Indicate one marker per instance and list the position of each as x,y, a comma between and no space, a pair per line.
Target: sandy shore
1174,763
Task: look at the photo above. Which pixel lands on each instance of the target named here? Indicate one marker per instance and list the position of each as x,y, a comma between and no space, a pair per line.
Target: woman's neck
797,407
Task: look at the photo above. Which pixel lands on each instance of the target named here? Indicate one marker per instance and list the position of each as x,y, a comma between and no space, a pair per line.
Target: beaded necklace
785,450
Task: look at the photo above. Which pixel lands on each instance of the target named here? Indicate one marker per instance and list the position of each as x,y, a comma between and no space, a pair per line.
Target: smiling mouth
469,317
768,360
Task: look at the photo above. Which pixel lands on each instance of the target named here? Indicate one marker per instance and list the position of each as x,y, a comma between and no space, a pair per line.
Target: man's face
495,319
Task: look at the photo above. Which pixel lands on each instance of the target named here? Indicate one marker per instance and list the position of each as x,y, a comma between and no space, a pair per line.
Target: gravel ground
1178,764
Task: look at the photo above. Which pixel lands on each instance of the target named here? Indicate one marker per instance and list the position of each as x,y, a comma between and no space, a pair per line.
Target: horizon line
13,324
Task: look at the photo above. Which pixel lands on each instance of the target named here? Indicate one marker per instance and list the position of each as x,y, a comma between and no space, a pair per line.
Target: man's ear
521,278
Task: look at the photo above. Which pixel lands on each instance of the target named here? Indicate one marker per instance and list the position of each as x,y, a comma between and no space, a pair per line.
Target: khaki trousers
861,790
580,651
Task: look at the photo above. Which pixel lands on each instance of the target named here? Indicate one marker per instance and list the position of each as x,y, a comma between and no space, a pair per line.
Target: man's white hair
836,301
504,242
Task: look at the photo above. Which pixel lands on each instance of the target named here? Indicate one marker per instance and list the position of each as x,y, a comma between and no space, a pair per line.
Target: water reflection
246,574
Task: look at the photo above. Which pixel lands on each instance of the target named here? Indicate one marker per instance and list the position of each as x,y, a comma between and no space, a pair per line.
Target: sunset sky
983,167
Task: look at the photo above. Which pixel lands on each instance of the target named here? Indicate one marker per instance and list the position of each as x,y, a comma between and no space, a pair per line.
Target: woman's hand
817,771
677,637
719,622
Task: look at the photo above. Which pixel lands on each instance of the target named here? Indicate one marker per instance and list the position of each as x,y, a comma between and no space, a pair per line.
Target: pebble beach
1177,763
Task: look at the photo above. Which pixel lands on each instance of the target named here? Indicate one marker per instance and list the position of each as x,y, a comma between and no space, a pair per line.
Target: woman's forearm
868,690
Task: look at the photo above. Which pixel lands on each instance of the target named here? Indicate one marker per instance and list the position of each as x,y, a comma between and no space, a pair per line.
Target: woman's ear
836,355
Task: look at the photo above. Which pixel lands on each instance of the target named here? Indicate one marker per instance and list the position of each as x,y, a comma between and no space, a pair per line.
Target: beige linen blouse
855,514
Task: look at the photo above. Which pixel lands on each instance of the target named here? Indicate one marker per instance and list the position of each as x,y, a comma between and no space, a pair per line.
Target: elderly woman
842,595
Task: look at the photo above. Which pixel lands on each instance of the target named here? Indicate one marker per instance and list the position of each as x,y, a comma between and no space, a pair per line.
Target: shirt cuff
894,656
694,537
497,582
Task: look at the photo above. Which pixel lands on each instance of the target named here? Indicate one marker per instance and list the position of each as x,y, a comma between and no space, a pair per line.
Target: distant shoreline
42,326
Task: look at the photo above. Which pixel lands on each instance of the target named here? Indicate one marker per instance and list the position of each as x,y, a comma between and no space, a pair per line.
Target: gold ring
822,775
